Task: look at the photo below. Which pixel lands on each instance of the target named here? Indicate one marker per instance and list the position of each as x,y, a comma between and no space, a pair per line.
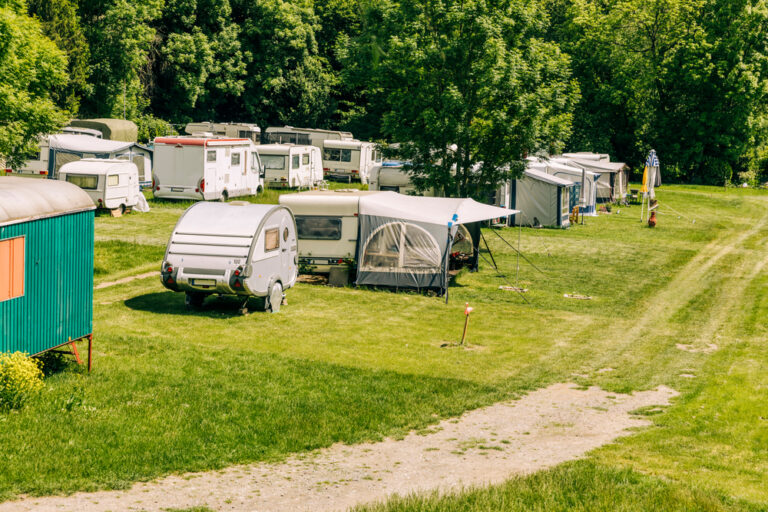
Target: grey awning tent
65,148
612,183
406,241
543,199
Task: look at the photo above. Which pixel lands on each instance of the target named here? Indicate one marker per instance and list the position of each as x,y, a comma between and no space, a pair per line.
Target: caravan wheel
194,300
224,196
275,298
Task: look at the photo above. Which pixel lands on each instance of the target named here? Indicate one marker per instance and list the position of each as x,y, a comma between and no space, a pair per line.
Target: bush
20,378
150,127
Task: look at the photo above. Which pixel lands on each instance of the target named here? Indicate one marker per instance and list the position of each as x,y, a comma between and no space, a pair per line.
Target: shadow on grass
172,303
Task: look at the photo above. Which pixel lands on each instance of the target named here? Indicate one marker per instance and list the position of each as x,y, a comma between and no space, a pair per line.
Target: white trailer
392,177
327,226
350,159
207,169
111,184
304,136
59,149
228,130
290,166
238,248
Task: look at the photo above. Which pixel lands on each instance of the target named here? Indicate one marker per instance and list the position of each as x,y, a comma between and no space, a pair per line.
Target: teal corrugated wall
58,284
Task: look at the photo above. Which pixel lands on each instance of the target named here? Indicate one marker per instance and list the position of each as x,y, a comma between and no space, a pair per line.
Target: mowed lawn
682,305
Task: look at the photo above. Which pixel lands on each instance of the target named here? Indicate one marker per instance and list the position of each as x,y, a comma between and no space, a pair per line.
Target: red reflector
170,280
355,171
99,199
237,272
197,190
158,188
340,262
237,285
169,269
326,169
43,173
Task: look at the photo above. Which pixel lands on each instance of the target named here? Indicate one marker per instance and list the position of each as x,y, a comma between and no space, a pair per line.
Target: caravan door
288,251
253,178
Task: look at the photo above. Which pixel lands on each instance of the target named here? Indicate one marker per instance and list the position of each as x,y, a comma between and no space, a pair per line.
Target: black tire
274,299
224,197
194,300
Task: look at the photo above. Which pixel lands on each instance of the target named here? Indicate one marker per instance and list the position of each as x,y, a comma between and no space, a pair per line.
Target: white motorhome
304,136
207,169
230,130
57,150
327,226
238,248
290,166
111,184
350,159
391,176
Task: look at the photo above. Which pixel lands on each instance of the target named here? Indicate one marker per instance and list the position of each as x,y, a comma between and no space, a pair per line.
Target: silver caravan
230,130
391,176
350,159
290,166
237,248
304,136
111,184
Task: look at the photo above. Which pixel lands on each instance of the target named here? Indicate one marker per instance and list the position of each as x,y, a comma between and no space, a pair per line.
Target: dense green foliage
472,85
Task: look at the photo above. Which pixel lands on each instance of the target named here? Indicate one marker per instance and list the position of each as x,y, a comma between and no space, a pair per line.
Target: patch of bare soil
706,349
547,427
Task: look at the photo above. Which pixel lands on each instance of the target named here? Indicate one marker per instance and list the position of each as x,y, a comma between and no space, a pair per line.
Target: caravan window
398,245
337,155
295,162
273,162
305,159
210,156
84,181
318,228
12,255
271,239
113,180
235,159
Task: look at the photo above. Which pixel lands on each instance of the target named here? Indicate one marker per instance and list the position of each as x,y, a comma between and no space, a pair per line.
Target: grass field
681,305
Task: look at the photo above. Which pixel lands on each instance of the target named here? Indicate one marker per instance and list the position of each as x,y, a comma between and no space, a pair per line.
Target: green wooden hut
46,265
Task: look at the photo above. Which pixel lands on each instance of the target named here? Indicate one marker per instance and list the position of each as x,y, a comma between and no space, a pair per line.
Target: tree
199,64
121,36
469,86
31,66
287,80
62,25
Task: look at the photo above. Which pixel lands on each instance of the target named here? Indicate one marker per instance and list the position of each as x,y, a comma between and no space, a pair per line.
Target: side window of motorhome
273,162
318,228
235,159
84,181
271,239
295,162
210,156
304,159
113,180
338,155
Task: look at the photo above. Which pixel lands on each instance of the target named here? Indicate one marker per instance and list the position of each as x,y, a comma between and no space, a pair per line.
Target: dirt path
544,428
126,280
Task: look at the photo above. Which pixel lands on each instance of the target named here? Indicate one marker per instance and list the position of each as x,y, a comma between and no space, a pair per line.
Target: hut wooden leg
75,352
90,351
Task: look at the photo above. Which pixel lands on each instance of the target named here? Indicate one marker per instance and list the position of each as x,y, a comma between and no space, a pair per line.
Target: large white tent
612,182
406,241
543,199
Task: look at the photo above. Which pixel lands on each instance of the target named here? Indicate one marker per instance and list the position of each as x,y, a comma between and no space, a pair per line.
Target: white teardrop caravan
237,248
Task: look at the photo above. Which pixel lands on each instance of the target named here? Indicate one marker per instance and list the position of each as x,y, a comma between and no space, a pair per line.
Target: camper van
303,136
327,225
390,176
238,248
111,184
229,130
57,150
350,159
207,169
290,166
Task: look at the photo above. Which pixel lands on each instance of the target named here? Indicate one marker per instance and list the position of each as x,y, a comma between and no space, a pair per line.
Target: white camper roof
322,202
344,144
598,166
430,210
97,166
561,164
201,141
77,130
25,199
287,128
588,155
87,144
237,218
536,174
